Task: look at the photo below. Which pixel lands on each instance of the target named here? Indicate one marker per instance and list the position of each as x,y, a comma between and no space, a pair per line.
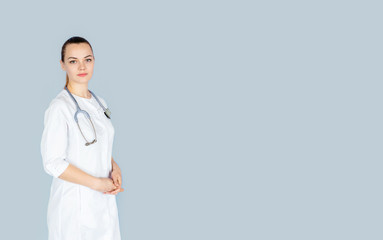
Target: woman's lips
82,74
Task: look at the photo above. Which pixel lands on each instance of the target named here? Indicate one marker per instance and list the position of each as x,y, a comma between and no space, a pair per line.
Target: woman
86,179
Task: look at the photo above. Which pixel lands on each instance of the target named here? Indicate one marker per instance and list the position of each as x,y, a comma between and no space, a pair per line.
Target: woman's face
78,59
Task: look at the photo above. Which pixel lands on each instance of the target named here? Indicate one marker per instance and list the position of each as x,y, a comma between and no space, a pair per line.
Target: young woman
76,148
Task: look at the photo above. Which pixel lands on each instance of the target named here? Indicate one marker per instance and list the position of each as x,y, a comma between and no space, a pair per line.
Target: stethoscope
79,110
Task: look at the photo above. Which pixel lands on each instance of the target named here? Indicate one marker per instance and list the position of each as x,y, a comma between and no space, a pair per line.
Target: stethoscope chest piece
107,113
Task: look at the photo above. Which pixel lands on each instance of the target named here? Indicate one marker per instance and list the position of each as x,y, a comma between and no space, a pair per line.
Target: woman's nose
82,65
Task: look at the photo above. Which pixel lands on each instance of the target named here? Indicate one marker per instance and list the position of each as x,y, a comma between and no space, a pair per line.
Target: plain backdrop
238,120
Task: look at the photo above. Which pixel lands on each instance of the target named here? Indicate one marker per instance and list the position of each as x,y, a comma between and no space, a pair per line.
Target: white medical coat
76,212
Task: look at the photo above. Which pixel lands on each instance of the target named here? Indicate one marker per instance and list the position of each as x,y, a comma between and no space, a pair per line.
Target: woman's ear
62,65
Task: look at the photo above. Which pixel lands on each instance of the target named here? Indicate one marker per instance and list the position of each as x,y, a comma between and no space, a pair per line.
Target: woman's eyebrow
76,58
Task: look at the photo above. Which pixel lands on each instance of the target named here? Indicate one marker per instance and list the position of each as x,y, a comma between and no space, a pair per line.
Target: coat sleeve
54,140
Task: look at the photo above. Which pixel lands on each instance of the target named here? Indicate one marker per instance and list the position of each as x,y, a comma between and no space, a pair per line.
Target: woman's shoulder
59,103
102,100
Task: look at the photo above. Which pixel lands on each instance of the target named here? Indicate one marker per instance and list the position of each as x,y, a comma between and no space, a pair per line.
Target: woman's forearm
115,167
76,175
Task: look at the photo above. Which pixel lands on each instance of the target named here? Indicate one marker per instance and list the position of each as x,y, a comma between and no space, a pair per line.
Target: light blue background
234,119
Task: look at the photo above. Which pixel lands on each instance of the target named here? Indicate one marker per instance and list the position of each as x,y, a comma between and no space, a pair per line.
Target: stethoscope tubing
79,110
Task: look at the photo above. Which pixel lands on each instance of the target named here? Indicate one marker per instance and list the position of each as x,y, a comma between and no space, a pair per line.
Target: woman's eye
72,61
89,60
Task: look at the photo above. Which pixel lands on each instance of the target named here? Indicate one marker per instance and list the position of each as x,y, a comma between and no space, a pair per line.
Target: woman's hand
104,185
116,177
117,180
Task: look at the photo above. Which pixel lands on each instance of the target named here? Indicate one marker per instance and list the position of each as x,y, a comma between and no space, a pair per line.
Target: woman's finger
118,190
114,178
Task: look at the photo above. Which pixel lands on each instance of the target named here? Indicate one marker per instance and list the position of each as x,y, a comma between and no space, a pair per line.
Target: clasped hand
116,177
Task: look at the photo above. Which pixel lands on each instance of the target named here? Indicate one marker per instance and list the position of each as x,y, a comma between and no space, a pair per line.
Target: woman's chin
81,80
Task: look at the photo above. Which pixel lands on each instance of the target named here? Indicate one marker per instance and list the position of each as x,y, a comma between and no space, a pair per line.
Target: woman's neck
80,90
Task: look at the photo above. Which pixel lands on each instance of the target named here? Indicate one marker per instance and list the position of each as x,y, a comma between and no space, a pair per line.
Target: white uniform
76,212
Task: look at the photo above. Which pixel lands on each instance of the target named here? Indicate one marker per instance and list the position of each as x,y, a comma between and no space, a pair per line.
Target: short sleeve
54,140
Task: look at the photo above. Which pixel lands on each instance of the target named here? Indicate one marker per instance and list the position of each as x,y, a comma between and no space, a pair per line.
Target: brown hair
75,39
